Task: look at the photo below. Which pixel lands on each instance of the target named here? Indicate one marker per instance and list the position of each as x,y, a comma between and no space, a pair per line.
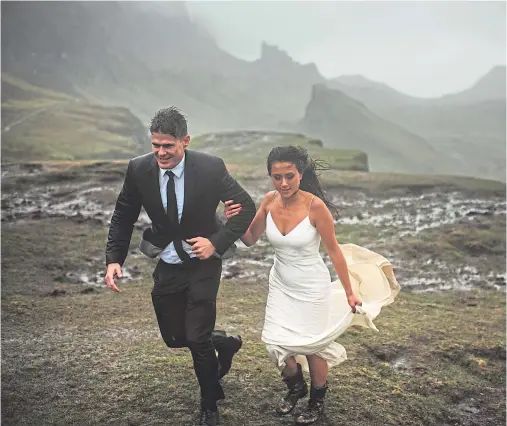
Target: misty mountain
490,87
119,53
341,121
468,126
147,55
376,95
473,134
105,52
372,93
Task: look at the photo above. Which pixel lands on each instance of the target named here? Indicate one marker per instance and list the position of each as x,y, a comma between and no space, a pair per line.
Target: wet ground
426,235
76,353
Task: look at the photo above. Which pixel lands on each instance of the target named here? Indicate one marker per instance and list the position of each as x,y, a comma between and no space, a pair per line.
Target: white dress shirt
169,254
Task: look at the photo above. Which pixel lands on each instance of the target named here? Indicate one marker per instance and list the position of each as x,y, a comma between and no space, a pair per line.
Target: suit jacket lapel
154,182
190,182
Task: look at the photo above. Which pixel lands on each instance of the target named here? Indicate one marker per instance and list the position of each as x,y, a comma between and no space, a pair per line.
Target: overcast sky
421,48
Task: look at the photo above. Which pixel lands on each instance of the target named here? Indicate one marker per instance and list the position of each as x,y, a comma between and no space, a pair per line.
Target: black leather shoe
209,418
225,355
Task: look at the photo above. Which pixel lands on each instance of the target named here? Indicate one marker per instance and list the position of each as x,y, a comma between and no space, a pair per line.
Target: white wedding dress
305,311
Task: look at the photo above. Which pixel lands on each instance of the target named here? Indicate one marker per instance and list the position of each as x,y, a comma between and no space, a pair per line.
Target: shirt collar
177,170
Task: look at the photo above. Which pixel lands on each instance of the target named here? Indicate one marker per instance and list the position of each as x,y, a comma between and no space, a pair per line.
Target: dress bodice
300,244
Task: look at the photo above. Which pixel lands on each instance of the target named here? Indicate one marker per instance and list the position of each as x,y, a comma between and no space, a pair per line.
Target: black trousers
184,299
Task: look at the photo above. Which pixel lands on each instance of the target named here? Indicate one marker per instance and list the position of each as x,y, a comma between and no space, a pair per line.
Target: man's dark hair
169,121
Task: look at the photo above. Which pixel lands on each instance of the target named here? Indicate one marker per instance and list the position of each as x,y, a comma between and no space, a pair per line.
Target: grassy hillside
41,124
252,148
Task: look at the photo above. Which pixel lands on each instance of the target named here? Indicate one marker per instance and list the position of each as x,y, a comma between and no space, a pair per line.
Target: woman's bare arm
258,225
325,226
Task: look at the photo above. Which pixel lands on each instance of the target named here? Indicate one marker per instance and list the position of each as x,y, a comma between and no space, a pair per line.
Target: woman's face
286,178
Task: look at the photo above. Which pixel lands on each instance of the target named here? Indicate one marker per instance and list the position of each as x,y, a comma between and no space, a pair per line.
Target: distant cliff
342,122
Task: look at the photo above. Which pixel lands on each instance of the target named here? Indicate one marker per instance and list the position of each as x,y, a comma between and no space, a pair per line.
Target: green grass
46,125
413,182
14,88
253,149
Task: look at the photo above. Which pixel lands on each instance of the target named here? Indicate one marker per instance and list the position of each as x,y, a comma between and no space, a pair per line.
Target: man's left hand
202,247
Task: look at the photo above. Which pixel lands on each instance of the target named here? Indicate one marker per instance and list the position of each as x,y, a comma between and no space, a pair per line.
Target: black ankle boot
229,348
315,406
209,417
297,390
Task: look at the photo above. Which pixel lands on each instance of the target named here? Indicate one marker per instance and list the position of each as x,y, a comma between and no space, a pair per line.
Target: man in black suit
180,190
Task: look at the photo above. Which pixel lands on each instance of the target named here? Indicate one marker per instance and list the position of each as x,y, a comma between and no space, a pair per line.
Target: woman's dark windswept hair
309,168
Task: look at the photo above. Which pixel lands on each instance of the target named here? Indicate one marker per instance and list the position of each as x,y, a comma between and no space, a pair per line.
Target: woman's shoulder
267,200
312,200
270,196
317,205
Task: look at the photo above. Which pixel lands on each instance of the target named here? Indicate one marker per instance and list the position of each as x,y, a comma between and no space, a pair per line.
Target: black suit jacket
207,182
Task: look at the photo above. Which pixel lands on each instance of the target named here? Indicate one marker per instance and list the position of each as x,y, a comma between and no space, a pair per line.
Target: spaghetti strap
310,206
271,201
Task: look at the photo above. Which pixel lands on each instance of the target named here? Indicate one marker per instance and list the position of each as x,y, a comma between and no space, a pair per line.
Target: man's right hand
112,270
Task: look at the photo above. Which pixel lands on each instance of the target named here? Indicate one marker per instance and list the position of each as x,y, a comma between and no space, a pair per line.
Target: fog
416,86
423,49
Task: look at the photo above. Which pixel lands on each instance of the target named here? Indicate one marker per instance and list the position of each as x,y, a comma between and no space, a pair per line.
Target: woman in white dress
305,311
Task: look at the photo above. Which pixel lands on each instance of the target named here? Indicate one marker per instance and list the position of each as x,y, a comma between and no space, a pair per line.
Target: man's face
168,150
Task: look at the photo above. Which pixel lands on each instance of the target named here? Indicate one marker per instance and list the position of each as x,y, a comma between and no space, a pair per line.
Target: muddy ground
438,237
75,353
